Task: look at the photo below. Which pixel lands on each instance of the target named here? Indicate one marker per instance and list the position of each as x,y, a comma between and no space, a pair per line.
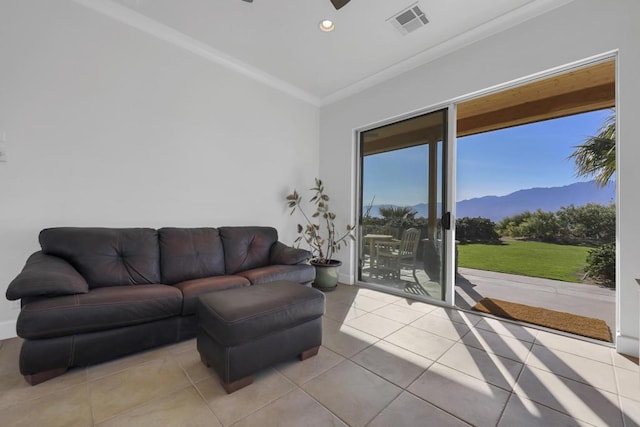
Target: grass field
535,259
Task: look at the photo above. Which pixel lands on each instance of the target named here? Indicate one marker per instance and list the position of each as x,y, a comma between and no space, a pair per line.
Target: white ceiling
279,43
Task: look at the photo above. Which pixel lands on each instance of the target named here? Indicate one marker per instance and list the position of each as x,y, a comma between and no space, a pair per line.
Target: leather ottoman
243,330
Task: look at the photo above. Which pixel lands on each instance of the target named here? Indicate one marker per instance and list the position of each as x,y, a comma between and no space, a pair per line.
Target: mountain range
549,199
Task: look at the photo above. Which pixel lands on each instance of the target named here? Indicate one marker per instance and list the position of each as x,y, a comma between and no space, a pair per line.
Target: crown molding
141,22
497,25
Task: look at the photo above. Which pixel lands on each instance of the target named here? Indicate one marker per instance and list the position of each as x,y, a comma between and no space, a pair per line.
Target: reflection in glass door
401,227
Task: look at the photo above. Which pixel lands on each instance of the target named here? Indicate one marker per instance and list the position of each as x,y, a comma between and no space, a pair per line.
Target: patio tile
268,386
511,330
291,410
443,327
14,389
302,371
122,391
577,368
192,364
398,313
409,410
414,305
496,370
628,383
183,408
475,401
366,303
501,345
523,412
375,325
341,312
71,408
625,362
420,342
459,316
351,392
593,351
381,296
343,294
631,411
393,363
581,401
344,339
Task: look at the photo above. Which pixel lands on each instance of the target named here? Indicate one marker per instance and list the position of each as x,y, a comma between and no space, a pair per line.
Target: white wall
573,32
108,126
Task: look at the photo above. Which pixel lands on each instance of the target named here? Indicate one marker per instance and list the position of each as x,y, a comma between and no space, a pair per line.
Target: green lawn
535,259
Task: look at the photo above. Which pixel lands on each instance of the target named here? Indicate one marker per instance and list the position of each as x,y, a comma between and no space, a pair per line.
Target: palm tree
397,212
597,156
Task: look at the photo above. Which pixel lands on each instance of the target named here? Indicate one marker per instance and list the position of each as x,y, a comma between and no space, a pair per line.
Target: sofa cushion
46,275
247,247
192,289
301,273
190,253
107,256
100,309
283,254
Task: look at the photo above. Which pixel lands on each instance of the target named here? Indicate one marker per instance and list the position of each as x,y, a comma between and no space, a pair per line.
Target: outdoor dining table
372,239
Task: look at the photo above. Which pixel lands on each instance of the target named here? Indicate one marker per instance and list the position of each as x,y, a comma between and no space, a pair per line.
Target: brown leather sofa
95,294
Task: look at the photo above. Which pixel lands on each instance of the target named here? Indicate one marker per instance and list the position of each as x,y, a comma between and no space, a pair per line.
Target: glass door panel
401,234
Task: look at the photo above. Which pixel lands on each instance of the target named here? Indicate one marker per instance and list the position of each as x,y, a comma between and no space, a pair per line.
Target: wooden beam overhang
579,91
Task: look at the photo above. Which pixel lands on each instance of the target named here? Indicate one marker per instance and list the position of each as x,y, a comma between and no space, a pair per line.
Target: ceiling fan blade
339,3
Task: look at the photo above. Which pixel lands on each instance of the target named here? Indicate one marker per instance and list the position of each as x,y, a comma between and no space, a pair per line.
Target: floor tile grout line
142,404
260,408
569,379
580,381
323,406
571,353
197,390
434,405
385,406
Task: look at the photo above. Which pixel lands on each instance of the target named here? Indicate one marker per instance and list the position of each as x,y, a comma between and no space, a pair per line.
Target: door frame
450,184
448,187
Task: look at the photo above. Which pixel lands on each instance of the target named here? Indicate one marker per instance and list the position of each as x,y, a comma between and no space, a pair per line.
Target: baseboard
347,279
7,329
628,345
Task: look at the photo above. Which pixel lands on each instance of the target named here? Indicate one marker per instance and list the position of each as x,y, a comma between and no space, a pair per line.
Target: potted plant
322,246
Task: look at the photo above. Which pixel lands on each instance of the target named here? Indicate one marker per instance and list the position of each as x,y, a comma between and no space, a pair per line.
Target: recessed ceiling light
327,25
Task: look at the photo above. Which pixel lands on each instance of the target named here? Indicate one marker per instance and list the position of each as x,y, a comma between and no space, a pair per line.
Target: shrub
601,264
476,230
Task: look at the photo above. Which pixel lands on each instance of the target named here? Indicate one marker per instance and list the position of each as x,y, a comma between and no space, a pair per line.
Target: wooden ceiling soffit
403,140
586,89
419,130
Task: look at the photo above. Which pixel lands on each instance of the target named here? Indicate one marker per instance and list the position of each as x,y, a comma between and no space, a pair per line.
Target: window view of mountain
547,199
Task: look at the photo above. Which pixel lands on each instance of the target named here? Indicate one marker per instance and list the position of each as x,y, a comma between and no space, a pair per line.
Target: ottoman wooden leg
238,384
309,353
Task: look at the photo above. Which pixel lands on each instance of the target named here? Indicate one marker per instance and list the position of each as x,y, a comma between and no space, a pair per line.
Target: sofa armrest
286,255
46,275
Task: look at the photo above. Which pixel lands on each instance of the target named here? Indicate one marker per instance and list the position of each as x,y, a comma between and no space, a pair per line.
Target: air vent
409,19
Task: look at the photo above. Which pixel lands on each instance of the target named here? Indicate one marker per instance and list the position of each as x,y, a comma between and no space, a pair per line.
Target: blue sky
492,163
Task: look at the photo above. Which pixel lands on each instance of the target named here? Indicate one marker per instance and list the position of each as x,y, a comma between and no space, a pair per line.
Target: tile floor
385,361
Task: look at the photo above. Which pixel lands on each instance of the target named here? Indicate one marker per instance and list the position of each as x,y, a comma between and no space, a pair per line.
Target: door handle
446,221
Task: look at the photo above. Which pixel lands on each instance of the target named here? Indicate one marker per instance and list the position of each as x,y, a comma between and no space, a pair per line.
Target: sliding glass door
403,210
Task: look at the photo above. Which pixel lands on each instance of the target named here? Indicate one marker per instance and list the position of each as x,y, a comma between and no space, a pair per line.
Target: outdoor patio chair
391,256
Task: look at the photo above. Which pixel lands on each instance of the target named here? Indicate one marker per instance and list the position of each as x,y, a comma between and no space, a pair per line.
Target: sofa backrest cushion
190,253
247,247
107,256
